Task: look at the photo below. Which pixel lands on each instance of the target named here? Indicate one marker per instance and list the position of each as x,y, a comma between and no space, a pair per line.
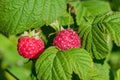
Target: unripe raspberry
67,39
30,47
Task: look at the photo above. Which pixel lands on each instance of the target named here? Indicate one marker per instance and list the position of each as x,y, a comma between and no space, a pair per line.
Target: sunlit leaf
18,16
59,65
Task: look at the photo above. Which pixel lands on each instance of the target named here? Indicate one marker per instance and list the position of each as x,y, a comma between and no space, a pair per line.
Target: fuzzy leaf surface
81,63
97,33
111,22
59,65
18,16
94,40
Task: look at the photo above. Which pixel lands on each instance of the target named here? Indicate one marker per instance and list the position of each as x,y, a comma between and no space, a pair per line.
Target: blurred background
11,64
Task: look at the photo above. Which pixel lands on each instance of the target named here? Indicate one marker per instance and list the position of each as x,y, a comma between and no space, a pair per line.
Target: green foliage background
89,12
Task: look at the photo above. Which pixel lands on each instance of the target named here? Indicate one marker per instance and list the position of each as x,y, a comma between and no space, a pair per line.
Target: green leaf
80,11
49,67
117,77
103,71
94,40
59,65
96,7
18,16
111,22
81,63
65,19
89,8
98,32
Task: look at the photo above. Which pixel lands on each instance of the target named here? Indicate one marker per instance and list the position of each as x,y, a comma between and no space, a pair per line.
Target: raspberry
67,39
30,47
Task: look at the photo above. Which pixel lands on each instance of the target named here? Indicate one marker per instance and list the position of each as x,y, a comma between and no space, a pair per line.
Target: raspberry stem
69,20
30,33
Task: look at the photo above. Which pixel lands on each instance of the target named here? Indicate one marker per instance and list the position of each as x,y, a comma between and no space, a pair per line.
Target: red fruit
67,39
30,47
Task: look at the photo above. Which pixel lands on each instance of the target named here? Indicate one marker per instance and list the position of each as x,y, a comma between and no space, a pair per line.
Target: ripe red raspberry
67,39
30,47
